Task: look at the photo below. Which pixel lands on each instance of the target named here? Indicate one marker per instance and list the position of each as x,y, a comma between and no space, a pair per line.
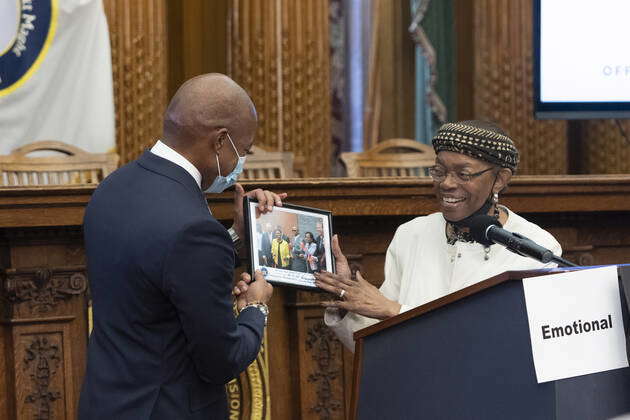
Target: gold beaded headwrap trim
476,142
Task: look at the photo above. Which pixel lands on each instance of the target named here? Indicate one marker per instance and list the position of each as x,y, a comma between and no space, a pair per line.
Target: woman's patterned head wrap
473,139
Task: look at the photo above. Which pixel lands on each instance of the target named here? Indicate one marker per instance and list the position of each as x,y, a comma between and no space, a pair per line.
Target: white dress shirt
162,150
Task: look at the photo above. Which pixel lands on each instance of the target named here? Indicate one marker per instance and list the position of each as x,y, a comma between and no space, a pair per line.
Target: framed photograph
290,243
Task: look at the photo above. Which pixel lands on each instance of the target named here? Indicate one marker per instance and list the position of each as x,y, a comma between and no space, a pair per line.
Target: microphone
487,230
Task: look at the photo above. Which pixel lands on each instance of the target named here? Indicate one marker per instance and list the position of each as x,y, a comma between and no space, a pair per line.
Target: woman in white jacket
432,256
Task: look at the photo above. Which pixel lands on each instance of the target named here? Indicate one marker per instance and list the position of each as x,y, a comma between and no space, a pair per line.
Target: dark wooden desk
43,295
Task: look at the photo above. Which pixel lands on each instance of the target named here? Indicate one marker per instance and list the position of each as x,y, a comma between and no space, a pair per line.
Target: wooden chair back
261,164
391,158
71,166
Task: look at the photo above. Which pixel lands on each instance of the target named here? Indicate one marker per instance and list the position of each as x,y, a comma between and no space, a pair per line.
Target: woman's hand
358,296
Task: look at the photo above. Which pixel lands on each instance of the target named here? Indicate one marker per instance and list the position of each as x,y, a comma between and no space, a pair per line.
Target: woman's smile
449,201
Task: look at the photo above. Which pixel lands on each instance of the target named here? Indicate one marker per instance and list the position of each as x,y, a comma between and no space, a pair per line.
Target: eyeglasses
439,174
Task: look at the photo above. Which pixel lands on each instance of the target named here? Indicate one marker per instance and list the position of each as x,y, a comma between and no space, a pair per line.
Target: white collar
162,150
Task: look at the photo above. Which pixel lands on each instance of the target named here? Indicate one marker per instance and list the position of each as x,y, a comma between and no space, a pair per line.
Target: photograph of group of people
289,245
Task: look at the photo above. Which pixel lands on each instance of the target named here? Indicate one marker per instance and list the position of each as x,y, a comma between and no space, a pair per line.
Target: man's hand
266,201
247,291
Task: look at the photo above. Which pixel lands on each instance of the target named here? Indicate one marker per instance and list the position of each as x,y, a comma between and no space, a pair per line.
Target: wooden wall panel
44,328
604,149
395,60
502,84
139,60
465,58
197,39
279,52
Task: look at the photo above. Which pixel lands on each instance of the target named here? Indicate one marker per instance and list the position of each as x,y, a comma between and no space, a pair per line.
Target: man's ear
503,179
219,138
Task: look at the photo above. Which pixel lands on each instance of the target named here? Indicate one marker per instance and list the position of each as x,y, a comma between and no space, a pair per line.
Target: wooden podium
468,356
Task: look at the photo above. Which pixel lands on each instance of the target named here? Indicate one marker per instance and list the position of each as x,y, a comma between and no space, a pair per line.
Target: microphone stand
524,246
487,230
538,253
562,262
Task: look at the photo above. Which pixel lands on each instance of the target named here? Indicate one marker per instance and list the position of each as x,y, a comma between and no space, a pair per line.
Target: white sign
575,323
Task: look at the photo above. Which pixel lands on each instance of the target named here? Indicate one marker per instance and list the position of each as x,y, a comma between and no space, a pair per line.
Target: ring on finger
342,293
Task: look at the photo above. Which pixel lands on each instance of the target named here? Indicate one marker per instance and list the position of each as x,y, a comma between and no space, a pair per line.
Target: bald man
165,339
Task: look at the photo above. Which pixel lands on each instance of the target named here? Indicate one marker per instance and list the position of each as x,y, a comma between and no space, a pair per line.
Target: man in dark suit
165,338
298,263
320,253
265,246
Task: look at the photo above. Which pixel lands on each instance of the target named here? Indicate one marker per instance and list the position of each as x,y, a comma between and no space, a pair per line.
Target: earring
495,201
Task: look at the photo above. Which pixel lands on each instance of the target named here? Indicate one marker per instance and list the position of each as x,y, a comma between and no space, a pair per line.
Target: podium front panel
472,359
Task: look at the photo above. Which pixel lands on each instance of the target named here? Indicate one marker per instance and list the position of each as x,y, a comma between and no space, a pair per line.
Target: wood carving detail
326,349
43,288
42,358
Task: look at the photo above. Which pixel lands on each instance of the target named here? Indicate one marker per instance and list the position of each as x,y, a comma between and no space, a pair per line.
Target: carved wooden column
320,366
43,324
137,32
502,84
279,52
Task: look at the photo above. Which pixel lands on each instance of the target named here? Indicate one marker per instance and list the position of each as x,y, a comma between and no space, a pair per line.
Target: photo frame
289,244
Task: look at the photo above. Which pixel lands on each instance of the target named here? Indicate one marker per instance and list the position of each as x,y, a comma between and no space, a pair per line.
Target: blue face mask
221,183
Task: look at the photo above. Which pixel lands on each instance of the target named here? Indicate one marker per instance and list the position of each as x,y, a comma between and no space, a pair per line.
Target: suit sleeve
198,273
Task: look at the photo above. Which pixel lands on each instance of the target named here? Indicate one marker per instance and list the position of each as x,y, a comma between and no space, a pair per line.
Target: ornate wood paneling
502,84
42,359
320,367
197,39
44,337
139,59
43,290
604,149
279,52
